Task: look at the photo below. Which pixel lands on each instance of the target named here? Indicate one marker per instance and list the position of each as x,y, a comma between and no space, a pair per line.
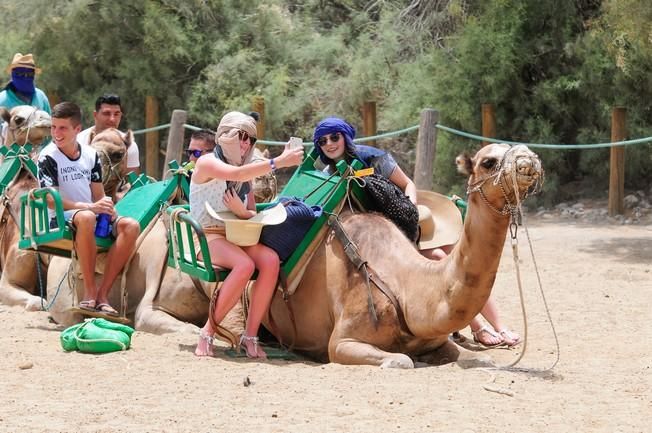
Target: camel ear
464,164
128,138
266,153
4,113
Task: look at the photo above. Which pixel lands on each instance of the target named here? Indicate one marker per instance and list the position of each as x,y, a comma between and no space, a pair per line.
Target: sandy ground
598,284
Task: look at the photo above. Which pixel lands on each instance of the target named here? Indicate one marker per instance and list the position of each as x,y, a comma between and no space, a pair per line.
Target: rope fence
426,141
443,128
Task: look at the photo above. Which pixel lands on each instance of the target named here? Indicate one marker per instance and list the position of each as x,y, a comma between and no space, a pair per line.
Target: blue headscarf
23,80
328,126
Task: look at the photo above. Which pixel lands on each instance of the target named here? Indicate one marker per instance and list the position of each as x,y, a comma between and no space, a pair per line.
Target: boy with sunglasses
201,143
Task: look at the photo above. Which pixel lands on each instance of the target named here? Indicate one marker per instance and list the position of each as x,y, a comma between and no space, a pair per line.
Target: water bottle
103,225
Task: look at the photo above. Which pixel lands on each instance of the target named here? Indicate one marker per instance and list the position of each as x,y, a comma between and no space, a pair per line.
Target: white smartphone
295,142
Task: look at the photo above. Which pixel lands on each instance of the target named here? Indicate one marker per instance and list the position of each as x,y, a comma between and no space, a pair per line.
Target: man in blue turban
21,89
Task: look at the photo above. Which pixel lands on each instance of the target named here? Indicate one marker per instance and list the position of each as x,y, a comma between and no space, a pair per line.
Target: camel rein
514,210
370,275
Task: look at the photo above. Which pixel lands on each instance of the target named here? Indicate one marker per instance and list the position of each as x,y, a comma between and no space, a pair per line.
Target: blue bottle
103,225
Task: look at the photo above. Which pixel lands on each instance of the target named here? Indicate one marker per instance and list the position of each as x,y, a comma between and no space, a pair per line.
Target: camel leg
451,352
354,352
11,295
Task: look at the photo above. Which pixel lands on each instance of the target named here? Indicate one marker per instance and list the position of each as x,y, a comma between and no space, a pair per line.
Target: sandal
88,305
258,353
510,338
485,330
105,308
208,339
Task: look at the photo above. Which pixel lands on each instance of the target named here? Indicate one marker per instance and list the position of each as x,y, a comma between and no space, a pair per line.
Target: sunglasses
22,74
195,152
243,135
334,137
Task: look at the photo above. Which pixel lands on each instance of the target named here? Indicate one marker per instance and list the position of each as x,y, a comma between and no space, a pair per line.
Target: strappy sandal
209,343
485,329
244,338
510,338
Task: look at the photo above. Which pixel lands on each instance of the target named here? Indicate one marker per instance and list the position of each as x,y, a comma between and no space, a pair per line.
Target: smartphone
295,142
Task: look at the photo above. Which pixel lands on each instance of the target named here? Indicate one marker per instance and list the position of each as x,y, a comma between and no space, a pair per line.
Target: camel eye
489,163
19,120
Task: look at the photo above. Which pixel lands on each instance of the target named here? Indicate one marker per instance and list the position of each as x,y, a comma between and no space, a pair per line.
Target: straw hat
439,219
23,61
247,232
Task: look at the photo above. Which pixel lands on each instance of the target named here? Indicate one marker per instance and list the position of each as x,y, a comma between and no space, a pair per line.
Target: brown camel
330,310
20,269
111,146
22,281
23,120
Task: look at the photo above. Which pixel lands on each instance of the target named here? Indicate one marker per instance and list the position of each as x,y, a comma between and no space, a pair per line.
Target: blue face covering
23,80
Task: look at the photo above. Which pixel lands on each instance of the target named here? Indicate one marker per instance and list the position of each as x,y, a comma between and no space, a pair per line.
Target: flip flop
88,305
105,308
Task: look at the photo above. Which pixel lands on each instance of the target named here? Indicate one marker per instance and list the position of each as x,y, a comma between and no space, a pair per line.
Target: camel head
265,187
26,124
503,175
111,146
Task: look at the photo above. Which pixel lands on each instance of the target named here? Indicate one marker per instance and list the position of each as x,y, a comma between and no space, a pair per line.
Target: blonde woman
223,179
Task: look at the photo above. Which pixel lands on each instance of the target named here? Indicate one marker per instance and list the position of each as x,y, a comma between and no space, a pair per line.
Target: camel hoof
398,361
33,304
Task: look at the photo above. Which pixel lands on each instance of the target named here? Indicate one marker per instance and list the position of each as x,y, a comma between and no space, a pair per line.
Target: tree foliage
554,70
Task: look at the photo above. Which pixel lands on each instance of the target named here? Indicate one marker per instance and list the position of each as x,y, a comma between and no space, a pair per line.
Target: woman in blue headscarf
333,139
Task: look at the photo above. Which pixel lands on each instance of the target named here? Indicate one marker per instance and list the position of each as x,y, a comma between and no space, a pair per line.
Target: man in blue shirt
21,89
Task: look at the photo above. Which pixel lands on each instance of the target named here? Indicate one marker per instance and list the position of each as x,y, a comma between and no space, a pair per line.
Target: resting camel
111,146
435,298
23,120
22,281
19,281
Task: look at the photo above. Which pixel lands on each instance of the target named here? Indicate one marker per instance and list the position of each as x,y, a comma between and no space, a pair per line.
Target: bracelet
271,163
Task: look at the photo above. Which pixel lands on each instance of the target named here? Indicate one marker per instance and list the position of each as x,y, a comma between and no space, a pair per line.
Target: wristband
271,163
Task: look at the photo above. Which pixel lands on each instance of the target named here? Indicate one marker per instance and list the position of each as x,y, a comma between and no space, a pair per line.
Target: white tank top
211,192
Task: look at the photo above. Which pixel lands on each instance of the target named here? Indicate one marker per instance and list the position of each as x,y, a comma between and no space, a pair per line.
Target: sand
597,280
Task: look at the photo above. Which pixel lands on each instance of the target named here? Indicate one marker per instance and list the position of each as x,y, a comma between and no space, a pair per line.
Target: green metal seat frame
142,202
13,157
314,186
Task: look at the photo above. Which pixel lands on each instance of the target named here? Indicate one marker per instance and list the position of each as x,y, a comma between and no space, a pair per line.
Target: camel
24,272
20,269
111,146
25,123
330,310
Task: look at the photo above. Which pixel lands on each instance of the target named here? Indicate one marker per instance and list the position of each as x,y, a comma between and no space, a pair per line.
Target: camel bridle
114,170
504,175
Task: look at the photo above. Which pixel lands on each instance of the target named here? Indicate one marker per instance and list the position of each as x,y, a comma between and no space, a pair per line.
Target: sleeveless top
212,192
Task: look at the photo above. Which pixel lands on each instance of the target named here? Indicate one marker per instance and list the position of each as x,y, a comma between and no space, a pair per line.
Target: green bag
96,336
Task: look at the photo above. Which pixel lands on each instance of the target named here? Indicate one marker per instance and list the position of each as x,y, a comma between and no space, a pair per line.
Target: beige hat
440,220
23,61
247,232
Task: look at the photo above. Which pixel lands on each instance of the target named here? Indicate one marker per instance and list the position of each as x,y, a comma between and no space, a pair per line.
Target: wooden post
152,139
369,127
175,140
617,162
488,122
426,149
258,105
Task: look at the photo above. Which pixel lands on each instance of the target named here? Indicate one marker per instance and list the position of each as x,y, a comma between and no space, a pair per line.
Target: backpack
388,199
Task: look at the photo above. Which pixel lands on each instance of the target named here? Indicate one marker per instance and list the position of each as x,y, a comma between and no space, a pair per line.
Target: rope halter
518,166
